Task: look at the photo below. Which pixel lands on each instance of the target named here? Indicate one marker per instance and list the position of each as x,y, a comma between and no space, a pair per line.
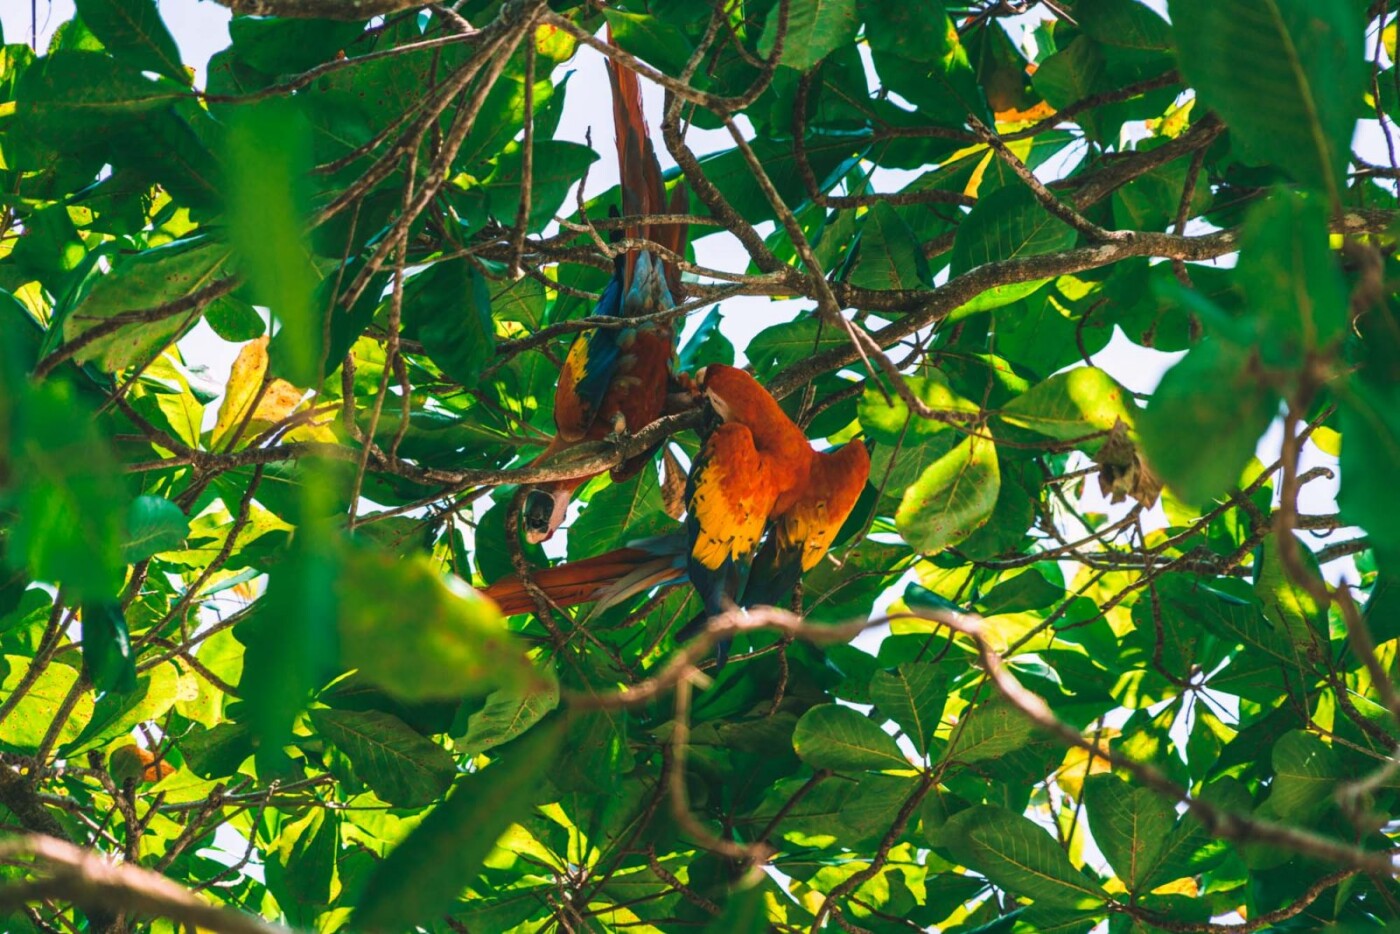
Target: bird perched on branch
616,380
757,496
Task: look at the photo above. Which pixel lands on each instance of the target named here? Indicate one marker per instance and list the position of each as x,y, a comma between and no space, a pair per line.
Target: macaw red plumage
757,493
616,380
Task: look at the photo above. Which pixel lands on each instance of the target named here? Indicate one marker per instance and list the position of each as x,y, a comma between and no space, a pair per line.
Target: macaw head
729,390
545,509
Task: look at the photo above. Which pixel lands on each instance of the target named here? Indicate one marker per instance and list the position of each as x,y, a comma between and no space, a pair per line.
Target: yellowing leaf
278,401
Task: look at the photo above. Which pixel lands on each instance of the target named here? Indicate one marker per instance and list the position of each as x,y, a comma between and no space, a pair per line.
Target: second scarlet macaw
757,490
616,380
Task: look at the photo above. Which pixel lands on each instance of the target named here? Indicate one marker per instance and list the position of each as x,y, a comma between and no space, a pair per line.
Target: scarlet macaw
616,380
757,490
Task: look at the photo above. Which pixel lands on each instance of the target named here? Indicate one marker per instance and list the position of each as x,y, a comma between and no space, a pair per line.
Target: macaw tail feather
606,579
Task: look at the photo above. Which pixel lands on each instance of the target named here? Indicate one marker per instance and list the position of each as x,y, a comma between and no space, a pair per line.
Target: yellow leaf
1076,766
243,382
1183,886
1388,40
1327,440
279,401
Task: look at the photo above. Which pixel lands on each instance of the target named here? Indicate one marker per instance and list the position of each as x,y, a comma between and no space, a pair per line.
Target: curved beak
544,512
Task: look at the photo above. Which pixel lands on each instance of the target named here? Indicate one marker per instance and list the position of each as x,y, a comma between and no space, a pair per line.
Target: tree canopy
1111,668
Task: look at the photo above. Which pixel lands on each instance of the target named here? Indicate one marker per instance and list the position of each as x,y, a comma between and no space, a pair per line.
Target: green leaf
1290,279
830,154
449,307
269,203
153,524
218,752
1287,604
657,41
1130,825
1007,224
69,496
991,730
1201,427
1126,23
457,644
73,98
301,867
424,874
919,32
834,737
884,418
912,695
1019,856
132,31
115,715
745,912
815,29
890,257
953,497
107,659
1369,497
293,636
1073,404
781,345
403,767
144,282
507,714
557,166
1287,76
620,513
1306,773
707,344
30,720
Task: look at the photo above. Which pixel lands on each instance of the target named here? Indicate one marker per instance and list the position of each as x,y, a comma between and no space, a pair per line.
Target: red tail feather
643,191
571,583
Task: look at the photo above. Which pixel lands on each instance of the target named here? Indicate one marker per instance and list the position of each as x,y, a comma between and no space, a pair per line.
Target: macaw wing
589,370
833,486
729,495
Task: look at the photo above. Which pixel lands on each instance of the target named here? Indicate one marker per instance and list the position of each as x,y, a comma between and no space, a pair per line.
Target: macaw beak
544,513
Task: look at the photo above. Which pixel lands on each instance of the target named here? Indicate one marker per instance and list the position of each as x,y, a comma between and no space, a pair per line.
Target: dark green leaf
424,874
153,524
815,29
449,305
402,766
132,31
839,738
1007,224
1200,429
1020,856
1130,825
1287,76
912,695
108,662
